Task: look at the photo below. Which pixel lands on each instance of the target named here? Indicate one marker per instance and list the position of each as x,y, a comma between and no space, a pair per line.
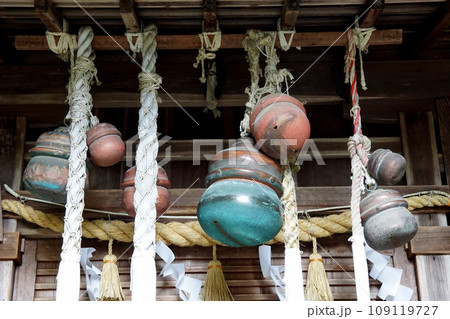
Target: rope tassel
215,287
110,287
317,287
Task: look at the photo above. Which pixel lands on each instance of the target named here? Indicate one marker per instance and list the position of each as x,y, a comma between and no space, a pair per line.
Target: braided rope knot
67,43
207,49
149,82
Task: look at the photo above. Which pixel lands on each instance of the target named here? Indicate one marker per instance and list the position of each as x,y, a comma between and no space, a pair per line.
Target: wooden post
21,124
49,16
289,14
443,110
420,151
129,15
25,280
209,16
1,220
7,267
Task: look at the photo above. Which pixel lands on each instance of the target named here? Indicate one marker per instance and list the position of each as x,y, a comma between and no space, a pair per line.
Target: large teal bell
241,206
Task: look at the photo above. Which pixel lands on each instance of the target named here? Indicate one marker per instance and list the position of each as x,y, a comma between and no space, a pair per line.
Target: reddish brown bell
105,144
162,183
386,166
281,121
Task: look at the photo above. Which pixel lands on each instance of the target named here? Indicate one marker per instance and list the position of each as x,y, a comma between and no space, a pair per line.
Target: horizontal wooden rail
229,41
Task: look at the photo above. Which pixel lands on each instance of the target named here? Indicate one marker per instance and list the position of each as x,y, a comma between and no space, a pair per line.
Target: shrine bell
106,147
47,172
386,220
280,120
162,185
386,167
241,205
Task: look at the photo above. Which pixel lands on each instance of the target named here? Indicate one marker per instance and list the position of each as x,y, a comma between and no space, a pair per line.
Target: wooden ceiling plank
49,16
209,16
289,14
369,18
437,29
229,41
129,15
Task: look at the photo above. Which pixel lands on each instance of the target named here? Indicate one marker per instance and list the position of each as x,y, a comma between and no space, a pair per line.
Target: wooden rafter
442,21
129,15
49,16
209,16
229,41
289,14
372,14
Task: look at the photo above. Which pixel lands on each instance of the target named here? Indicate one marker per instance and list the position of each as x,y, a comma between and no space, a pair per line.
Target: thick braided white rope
143,270
80,101
292,263
359,148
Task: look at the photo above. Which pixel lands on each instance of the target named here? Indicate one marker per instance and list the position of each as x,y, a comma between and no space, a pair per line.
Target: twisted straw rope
190,233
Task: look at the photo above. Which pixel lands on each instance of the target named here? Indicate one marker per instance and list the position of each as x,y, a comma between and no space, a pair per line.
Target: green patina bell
47,172
241,206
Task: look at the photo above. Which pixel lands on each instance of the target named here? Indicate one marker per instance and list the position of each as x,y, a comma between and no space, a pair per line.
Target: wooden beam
439,24
430,240
443,110
129,15
209,15
372,14
186,200
229,41
49,16
289,14
21,124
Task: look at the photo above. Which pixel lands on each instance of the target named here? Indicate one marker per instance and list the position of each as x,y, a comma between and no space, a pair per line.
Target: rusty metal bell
386,167
387,221
162,185
280,120
106,147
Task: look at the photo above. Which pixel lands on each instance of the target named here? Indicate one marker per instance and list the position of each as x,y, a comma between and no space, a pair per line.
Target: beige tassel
215,287
110,288
317,287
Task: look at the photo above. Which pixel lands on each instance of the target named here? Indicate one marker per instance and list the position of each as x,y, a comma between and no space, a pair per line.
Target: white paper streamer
274,272
92,273
186,285
390,277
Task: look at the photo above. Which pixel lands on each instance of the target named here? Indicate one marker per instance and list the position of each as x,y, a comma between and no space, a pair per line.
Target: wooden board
10,247
25,278
7,268
420,151
240,266
430,240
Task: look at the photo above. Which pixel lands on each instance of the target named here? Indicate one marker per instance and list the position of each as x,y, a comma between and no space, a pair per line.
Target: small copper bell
386,166
280,120
387,221
105,144
162,183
